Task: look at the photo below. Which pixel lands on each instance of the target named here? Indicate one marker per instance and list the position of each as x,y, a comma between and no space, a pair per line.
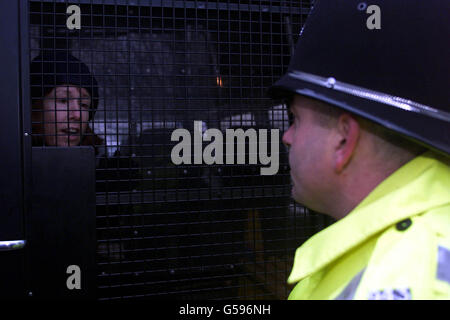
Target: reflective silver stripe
443,268
12,245
349,292
361,92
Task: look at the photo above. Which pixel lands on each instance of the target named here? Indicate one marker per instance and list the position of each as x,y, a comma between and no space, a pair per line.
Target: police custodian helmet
385,60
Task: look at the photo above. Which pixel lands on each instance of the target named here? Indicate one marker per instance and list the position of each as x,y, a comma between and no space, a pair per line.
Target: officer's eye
290,118
85,106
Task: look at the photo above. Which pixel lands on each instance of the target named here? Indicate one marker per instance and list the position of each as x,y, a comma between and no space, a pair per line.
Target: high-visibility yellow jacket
394,245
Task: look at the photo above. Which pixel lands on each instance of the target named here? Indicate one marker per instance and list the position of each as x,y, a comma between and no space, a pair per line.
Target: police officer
369,145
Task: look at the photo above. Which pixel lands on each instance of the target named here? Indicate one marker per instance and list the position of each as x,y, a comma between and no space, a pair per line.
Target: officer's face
309,154
65,115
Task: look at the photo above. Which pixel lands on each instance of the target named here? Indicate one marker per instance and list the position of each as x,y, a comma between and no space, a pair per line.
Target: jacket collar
417,186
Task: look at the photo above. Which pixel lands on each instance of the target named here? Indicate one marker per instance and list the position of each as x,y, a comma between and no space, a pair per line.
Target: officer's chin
303,201
295,194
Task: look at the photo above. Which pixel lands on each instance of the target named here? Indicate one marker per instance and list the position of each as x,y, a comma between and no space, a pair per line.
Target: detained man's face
309,154
65,115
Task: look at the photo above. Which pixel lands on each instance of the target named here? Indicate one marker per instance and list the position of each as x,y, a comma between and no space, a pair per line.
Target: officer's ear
346,135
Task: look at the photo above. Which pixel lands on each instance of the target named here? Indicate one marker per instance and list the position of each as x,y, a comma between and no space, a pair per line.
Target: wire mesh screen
189,230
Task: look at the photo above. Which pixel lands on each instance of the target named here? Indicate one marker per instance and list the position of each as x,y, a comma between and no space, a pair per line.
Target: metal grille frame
184,231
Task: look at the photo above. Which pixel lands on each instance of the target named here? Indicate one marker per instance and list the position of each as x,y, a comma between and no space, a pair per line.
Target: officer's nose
287,137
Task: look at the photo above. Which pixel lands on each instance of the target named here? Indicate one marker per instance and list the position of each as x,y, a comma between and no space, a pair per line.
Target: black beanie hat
54,68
